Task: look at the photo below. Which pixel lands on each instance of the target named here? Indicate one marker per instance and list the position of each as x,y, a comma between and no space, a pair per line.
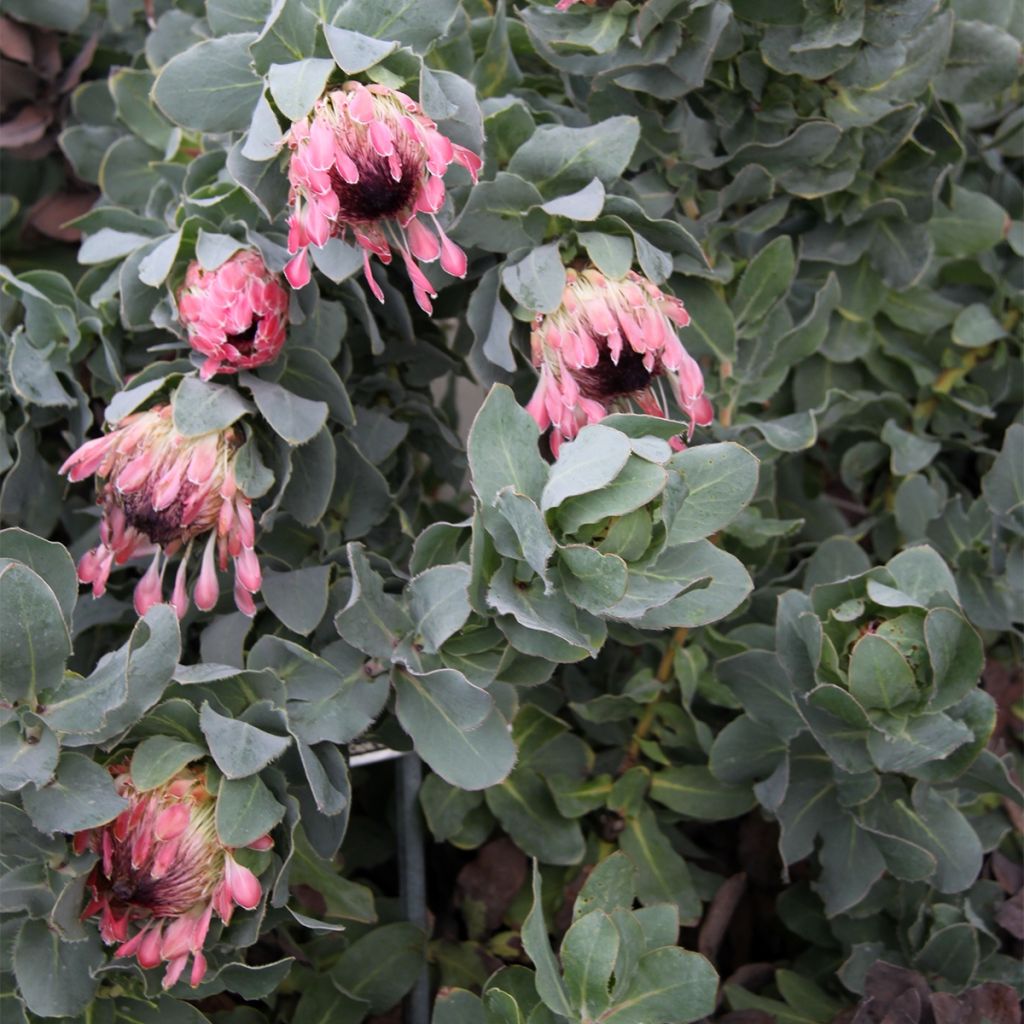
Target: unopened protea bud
603,347
162,873
159,492
368,159
235,315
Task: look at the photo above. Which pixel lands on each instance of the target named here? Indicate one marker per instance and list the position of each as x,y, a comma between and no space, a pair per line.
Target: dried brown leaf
15,41
27,126
719,914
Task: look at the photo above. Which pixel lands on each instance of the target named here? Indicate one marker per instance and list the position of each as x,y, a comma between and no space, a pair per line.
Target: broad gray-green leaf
588,463
1003,484
975,326
550,986
537,281
611,885
439,603
661,874
354,52
591,580
201,407
720,481
490,321
210,87
542,612
123,685
159,758
372,621
28,753
880,677
710,584
906,744
382,965
638,483
910,453
588,953
952,954
557,158
692,790
850,865
50,561
55,978
80,796
454,727
297,86
921,573
611,254
527,812
293,418
298,598
33,376
239,749
245,811
33,634
502,448
669,984
764,282
411,23
527,522
579,206
956,654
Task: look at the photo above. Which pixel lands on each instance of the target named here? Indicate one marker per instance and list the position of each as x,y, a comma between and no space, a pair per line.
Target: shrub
702,613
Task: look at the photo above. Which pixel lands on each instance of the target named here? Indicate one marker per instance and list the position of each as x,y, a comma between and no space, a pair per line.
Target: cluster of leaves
738,686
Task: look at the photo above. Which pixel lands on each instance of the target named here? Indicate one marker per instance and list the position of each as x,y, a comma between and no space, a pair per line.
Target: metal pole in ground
412,873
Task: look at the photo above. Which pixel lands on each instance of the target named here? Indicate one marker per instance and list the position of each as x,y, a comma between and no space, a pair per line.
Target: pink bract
162,873
603,348
159,491
235,315
369,160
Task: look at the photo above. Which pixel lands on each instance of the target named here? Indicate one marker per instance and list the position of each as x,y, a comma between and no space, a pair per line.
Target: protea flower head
235,315
162,873
369,159
603,347
159,492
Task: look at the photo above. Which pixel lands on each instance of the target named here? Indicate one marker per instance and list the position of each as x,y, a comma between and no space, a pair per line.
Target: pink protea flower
369,159
604,346
160,491
235,315
163,872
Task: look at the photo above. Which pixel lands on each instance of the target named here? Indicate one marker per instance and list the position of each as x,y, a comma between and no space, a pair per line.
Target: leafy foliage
753,702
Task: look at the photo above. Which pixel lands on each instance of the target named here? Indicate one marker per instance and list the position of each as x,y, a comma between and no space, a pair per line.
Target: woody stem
663,674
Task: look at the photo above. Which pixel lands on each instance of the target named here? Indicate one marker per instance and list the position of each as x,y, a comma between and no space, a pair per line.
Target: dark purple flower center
160,527
609,380
376,195
245,342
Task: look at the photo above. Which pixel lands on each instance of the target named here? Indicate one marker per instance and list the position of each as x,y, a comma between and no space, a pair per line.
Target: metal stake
412,873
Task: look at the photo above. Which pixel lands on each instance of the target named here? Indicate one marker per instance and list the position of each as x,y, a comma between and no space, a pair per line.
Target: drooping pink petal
149,590
207,590
242,884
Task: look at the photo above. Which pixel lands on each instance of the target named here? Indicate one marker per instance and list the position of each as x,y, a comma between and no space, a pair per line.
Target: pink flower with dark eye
235,315
160,491
369,160
603,347
162,873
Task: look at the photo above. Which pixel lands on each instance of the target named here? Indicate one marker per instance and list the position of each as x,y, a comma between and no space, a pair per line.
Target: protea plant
369,160
162,873
160,491
235,315
607,345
